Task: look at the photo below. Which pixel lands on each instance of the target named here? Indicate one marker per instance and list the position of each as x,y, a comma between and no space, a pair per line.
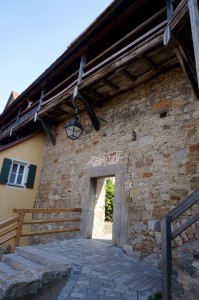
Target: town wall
154,129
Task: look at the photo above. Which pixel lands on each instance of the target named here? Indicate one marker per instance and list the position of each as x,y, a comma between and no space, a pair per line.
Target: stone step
41,256
20,263
6,269
28,270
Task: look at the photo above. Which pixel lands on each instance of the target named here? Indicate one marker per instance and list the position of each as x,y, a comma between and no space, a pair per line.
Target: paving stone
102,271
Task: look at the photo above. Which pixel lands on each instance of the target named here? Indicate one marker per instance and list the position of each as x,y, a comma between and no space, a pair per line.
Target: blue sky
34,33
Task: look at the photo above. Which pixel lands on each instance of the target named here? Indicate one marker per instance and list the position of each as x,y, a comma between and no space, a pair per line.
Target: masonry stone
162,161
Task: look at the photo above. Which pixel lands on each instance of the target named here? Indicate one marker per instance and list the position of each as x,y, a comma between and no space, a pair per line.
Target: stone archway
120,214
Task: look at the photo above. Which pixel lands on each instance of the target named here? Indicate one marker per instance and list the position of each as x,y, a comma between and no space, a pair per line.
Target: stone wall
155,130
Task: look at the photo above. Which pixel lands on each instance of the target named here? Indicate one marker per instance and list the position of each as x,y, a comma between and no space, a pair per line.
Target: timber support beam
48,131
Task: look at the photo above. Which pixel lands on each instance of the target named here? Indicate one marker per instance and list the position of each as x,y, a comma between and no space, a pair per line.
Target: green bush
109,199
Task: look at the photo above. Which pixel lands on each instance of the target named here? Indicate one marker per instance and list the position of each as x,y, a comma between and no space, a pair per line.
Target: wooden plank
8,230
111,84
50,231
145,38
40,221
45,210
128,75
126,37
166,257
9,222
122,60
184,226
194,19
7,239
149,62
61,83
181,208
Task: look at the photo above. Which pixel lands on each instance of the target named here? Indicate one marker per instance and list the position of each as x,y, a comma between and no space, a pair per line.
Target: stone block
191,167
134,193
177,102
194,152
151,224
147,174
194,183
152,260
163,105
179,155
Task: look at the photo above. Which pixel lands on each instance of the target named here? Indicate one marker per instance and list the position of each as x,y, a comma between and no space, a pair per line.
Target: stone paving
101,271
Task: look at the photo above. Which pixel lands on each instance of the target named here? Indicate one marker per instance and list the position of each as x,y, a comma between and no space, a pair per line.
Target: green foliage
156,296
5,251
109,199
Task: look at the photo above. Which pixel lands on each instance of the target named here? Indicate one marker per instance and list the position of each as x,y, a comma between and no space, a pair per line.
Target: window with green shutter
17,173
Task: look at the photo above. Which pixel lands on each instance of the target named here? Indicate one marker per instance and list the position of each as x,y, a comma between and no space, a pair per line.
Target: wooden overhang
130,43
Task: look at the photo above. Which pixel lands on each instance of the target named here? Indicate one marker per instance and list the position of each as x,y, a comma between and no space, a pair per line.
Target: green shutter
31,176
5,170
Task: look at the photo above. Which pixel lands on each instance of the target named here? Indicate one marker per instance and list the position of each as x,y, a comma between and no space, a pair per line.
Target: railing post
19,229
166,257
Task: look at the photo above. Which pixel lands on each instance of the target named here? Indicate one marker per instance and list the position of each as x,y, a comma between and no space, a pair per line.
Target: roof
120,50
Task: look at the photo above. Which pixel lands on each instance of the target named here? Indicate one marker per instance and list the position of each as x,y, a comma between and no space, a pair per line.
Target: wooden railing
165,226
11,229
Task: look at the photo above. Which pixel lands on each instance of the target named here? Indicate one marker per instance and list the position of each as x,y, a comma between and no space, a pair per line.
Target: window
17,173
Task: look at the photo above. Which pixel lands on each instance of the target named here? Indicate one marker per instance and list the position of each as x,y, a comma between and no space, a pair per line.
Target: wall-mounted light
74,129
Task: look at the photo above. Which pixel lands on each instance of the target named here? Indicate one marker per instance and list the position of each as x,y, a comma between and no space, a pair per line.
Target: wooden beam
41,221
124,56
169,4
45,210
149,62
64,112
19,229
144,39
187,68
47,130
95,93
111,84
80,74
126,37
7,239
9,222
128,75
194,19
179,13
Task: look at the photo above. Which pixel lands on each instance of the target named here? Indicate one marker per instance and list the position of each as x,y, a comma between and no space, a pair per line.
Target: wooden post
167,31
43,91
166,257
169,9
19,229
194,20
80,75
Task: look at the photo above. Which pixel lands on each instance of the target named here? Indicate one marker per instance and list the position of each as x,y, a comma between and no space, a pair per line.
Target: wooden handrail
164,225
180,209
45,210
9,222
7,227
